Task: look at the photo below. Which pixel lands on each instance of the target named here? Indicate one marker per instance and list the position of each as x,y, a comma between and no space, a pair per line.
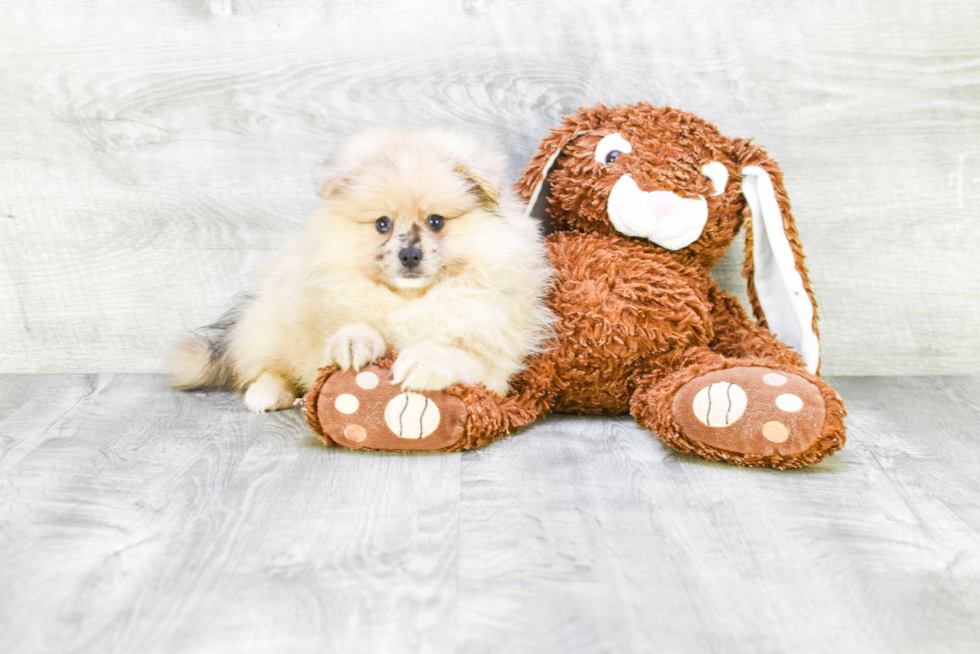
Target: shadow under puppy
418,246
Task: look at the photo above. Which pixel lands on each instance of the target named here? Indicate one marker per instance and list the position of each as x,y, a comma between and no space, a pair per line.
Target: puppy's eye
383,224
610,148
435,222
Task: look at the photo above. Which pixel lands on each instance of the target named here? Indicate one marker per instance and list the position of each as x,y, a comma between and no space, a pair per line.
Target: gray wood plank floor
136,519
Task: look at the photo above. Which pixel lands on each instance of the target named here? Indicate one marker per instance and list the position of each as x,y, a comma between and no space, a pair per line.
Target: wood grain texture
137,519
152,156
146,520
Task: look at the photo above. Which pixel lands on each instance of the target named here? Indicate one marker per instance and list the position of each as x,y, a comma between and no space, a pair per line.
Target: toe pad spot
775,431
774,379
789,403
355,433
367,380
347,403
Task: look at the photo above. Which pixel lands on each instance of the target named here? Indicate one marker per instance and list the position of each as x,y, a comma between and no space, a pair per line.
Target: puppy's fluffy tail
194,364
200,359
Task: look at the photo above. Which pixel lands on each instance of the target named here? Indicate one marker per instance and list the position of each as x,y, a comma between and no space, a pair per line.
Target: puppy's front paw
269,392
354,346
430,367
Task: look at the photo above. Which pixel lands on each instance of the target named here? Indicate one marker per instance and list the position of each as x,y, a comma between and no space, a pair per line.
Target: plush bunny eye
610,147
718,174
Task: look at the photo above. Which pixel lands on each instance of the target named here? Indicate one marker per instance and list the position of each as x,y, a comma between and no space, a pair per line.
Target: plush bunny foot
755,411
366,411
749,415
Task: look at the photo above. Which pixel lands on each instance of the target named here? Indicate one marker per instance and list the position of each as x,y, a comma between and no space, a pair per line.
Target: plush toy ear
534,180
778,285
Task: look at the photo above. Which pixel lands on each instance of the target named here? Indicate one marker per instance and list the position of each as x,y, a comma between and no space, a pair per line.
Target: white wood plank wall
153,154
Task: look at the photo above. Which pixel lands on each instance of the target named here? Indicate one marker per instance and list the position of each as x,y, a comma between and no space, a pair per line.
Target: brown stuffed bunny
644,202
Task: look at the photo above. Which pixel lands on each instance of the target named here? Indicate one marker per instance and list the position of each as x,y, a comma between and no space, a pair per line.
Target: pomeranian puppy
418,246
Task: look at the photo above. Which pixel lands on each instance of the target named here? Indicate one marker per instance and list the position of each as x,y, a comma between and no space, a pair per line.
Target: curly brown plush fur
639,324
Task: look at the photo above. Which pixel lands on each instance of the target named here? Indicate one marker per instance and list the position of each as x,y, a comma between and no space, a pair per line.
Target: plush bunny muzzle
662,217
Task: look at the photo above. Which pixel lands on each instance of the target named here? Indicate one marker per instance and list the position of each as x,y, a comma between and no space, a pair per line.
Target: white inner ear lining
778,284
548,165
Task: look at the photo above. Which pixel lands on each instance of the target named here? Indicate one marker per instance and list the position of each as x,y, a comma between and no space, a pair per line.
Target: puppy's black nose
410,257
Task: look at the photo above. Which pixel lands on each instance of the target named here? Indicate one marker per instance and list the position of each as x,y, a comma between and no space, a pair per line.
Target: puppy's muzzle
410,257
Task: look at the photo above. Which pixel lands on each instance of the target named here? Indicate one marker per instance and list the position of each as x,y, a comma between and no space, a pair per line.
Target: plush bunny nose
663,203
662,217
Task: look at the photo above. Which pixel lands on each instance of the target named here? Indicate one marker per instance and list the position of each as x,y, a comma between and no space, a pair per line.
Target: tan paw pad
753,410
365,410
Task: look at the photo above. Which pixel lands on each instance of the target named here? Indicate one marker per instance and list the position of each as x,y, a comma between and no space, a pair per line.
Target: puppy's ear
778,282
533,185
484,183
329,176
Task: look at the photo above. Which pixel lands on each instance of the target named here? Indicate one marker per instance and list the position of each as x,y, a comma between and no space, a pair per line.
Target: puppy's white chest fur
402,320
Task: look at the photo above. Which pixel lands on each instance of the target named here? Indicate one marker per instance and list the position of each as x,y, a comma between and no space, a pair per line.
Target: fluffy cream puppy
418,246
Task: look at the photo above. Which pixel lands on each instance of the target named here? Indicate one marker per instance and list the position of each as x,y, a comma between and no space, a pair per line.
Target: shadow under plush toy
644,202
